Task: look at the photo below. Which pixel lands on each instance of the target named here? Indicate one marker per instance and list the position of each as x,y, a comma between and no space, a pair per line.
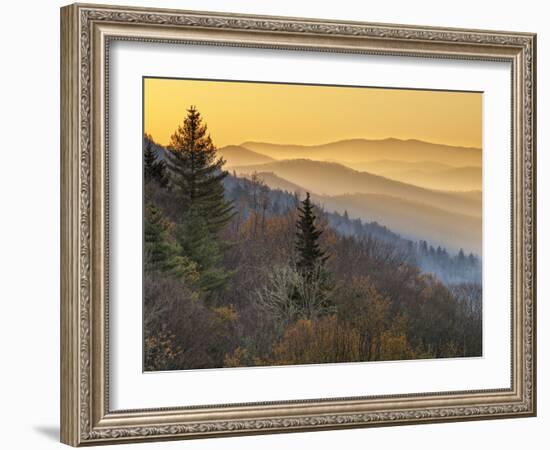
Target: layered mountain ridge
419,190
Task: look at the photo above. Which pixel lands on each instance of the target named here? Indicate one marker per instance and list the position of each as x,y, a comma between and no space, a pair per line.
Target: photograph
291,224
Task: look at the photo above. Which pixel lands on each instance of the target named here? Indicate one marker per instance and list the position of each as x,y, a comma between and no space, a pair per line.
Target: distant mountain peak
236,155
356,140
360,150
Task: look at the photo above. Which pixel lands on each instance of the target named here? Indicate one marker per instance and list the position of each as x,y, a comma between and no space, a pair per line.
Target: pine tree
310,255
346,216
161,252
153,168
197,173
424,248
197,177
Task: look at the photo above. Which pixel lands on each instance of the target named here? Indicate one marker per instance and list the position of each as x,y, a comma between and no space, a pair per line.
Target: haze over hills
381,166
427,174
365,150
236,155
408,218
451,219
411,219
453,179
276,182
333,179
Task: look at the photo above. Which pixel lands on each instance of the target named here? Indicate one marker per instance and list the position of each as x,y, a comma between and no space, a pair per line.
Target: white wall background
29,222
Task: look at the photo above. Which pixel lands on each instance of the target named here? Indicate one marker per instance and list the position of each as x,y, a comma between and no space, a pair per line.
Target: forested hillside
240,274
450,268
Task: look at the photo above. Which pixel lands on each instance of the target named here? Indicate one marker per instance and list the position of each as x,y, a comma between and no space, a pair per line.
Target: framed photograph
275,225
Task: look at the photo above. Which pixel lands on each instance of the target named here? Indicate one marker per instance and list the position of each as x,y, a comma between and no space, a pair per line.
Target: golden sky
296,114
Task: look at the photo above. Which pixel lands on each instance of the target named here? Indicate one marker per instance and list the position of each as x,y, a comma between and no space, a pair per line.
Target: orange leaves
394,347
323,340
236,359
160,350
226,314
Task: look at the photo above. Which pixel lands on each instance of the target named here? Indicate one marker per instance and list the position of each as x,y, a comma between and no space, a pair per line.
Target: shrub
394,347
289,295
324,340
362,307
160,350
240,357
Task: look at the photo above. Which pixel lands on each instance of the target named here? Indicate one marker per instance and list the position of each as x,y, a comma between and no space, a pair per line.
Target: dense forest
238,274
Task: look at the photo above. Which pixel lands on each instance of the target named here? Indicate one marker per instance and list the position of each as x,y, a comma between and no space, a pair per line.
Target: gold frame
86,31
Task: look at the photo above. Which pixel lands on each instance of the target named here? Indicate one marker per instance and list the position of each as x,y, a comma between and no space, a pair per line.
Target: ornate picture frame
87,32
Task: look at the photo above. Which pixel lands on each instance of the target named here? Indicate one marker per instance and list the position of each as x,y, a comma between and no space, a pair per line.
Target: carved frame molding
86,31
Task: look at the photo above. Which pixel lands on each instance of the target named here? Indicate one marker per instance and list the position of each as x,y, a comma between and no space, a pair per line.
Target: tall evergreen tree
197,176
310,255
153,167
197,173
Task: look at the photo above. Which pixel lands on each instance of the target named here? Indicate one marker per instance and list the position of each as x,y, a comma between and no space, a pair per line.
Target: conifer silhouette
310,254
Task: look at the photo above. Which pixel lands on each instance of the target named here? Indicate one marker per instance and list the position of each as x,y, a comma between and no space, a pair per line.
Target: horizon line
252,141
389,138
